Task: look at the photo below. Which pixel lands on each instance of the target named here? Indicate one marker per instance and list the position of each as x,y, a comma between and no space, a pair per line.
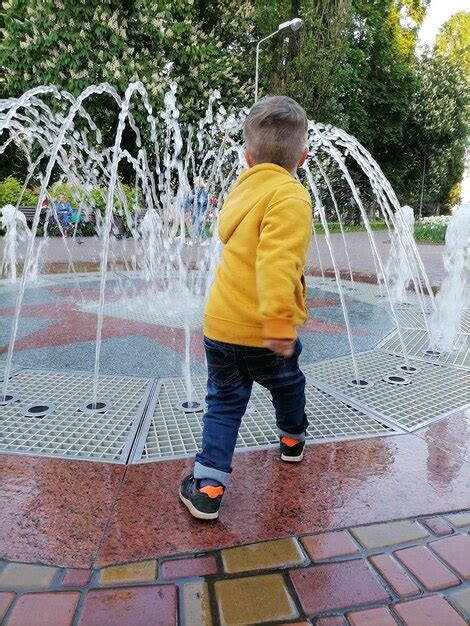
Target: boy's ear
303,156
249,158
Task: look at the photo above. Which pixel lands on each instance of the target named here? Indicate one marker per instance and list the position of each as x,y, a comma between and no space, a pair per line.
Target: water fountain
398,272
454,295
16,235
174,251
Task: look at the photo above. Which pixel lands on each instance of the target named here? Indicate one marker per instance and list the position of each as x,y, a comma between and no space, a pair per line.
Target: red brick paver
334,620
395,576
427,568
336,586
153,605
329,545
6,598
456,552
438,526
372,617
76,578
185,568
430,611
56,608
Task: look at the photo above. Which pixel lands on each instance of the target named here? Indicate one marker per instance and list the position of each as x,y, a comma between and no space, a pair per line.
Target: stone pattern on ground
404,573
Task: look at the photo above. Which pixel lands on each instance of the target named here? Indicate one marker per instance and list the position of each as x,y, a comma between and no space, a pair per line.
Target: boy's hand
282,347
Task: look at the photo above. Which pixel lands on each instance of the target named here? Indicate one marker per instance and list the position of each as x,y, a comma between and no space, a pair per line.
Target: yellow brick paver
388,533
19,576
459,519
254,600
197,608
265,555
130,573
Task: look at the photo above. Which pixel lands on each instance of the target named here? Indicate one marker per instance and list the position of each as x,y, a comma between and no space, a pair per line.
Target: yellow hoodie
259,289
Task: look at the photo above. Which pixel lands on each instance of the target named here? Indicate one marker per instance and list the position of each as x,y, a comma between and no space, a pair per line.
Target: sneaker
203,503
292,450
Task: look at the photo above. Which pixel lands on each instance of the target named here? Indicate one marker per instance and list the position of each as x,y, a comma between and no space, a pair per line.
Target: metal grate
417,342
67,432
434,391
13,372
170,433
155,309
371,293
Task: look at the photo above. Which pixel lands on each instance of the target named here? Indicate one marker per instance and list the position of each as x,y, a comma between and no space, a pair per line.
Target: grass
425,232
348,228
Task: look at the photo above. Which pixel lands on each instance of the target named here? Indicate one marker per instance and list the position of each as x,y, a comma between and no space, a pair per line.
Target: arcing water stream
179,175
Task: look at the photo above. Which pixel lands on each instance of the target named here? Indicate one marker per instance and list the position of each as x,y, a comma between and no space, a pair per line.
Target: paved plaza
371,529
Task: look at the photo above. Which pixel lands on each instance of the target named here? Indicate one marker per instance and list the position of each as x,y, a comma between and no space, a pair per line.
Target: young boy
257,300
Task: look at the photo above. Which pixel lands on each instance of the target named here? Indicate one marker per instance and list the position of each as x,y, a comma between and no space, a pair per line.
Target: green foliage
437,131
429,232
75,44
94,199
10,191
97,198
353,64
453,41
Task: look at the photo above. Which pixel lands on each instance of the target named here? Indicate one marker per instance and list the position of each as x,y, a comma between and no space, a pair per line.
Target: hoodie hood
252,187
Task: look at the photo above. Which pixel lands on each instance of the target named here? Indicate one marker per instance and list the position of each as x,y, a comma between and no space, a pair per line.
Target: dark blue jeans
232,370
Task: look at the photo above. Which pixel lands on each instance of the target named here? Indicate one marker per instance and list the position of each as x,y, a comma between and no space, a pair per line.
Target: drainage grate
434,391
413,319
67,432
156,309
13,371
169,432
409,314
417,342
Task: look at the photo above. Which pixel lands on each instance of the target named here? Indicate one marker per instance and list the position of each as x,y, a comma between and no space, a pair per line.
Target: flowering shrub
432,229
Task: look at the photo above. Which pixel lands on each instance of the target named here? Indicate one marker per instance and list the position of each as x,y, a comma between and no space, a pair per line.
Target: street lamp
294,25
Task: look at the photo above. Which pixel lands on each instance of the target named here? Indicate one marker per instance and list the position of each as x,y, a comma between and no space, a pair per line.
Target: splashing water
398,272
179,175
454,295
16,234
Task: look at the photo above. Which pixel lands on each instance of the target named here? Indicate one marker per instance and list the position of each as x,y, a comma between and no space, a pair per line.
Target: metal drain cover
417,344
37,409
66,432
435,391
169,433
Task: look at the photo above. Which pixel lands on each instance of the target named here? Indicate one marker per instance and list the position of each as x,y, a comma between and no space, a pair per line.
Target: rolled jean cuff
201,471
299,436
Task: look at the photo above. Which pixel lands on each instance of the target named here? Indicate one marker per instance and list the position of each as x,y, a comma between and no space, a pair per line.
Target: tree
438,126
75,44
453,41
438,130
304,65
354,65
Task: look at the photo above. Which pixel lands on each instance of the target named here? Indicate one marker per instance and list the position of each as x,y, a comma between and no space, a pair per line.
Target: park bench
29,212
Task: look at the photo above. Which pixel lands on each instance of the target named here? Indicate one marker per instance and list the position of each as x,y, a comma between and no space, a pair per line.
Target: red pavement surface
358,246
361,255
79,514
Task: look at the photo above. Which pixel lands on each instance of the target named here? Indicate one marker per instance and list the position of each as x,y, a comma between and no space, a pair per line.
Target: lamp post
294,25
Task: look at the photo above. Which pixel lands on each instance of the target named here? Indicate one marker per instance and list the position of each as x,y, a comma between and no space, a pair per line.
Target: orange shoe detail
290,442
212,492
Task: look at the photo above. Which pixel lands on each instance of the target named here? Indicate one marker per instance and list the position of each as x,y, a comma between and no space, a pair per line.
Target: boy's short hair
275,131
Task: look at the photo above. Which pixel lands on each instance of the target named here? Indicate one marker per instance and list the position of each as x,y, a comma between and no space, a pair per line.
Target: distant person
64,212
257,301
195,208
201,201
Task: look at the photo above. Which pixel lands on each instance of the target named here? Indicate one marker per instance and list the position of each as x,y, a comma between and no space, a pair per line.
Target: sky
439,12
